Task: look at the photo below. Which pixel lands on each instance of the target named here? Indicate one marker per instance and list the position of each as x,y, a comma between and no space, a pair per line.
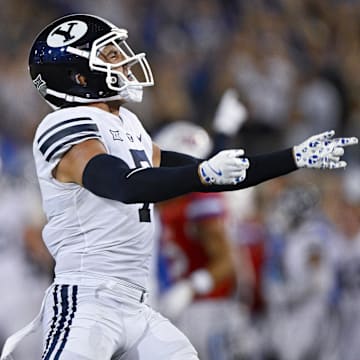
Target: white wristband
202,281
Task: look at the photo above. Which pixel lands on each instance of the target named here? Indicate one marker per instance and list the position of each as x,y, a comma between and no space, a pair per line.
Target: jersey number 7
141,160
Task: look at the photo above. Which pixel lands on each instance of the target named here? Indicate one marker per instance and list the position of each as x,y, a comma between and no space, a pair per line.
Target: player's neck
111,107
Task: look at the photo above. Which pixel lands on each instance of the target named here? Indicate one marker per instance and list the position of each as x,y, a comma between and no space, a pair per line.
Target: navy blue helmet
69,49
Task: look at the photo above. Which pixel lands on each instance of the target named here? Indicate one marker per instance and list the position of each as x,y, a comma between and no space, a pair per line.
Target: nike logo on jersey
116,135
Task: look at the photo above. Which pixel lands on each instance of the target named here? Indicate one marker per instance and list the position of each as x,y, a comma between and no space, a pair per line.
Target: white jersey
85,233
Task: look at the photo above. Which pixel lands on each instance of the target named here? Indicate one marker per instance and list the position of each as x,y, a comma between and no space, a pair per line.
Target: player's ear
81,79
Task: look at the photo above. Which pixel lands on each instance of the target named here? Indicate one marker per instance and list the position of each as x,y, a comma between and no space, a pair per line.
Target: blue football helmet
70,48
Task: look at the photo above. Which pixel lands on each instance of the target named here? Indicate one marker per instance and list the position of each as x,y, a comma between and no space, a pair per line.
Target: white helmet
185,137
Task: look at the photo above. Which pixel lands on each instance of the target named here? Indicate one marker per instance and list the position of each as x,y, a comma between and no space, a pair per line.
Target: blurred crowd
295,66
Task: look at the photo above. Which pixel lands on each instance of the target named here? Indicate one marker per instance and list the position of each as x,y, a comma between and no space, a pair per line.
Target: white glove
175,300
226,167
230,114
322,152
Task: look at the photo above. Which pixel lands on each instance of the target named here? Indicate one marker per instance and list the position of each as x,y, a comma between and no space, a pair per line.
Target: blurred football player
200,284
298,287
24,276
347,265
99,175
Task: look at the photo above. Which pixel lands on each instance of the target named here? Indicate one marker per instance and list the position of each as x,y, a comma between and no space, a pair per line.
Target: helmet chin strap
132,94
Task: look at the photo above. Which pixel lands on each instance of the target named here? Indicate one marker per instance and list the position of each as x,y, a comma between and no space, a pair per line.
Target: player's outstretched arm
107,176
89,165
320,151
110,177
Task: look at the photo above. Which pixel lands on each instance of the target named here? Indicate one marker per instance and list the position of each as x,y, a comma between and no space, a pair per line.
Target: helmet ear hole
114,80
81,80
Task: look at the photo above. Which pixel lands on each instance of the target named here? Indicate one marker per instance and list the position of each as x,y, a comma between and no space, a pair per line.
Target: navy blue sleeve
110,177
173,158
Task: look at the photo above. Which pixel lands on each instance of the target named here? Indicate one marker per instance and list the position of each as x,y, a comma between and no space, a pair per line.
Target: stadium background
295,64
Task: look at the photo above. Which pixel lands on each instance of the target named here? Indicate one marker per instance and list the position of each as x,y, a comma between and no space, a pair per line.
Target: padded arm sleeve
173,158
110,177
263,168
269,166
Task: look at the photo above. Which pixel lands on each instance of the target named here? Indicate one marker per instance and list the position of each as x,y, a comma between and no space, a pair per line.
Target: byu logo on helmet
67,33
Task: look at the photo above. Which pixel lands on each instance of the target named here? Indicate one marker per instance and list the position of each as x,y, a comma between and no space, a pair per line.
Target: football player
299,280
346,257
99,175
23,259
199,282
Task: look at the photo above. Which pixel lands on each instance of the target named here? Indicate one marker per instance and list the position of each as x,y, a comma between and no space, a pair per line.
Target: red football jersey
183,251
